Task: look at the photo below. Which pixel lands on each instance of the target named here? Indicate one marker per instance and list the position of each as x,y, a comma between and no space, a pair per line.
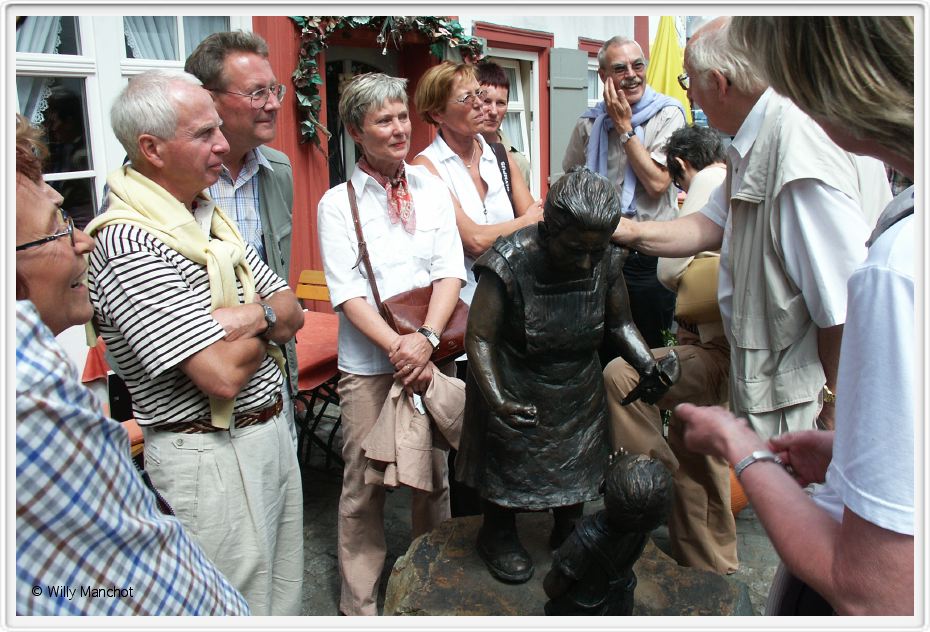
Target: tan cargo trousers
701,526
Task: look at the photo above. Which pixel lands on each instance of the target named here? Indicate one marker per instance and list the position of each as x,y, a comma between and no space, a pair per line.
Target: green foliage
314,30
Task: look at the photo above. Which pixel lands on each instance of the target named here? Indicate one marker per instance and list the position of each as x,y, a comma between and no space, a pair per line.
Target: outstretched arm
682,237
858,567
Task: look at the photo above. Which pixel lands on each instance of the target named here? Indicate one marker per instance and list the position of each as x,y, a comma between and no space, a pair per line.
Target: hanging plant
442,35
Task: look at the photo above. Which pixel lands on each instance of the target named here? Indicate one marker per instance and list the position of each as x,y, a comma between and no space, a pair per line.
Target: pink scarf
399,200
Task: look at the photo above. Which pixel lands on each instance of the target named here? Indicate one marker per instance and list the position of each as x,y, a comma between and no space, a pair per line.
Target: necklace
473,153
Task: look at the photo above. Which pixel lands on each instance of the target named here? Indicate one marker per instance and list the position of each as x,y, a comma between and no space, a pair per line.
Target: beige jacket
775,363
400,443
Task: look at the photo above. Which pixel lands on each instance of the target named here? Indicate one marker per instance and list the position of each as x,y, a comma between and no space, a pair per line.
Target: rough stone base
441,575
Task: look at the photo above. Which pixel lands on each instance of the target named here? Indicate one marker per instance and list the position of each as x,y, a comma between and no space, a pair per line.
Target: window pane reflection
80,199
65,126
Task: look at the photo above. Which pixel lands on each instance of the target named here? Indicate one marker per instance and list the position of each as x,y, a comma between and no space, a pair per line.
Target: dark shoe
504,556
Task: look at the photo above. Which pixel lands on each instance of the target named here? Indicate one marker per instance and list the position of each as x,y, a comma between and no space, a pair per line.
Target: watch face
270,316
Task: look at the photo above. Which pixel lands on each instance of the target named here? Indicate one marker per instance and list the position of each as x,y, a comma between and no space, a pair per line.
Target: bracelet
755,457
829,397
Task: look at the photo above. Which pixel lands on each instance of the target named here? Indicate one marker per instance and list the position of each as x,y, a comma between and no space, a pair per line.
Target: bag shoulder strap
884,223
500,153
362,246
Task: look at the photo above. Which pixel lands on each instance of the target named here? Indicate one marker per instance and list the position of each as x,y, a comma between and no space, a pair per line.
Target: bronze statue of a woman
550,299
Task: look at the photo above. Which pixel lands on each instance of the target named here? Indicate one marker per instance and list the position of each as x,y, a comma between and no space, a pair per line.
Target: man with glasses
196,321
623,138
256,185
791,221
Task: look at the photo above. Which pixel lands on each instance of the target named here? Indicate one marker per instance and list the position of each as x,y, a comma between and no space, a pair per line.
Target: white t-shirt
496,207
401,261
872,471
815,219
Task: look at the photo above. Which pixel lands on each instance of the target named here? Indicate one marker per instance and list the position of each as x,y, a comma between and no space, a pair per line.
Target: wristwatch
755,457
829,397
626,136
430,335
270,318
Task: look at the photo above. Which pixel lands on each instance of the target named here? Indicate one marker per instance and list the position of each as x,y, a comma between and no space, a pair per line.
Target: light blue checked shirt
239,199
89,537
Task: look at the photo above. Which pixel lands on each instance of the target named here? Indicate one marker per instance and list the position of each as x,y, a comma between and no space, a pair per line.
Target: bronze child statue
550,299
592,572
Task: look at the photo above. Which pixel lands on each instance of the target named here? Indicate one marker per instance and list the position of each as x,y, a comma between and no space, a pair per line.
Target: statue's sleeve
572,558
495,260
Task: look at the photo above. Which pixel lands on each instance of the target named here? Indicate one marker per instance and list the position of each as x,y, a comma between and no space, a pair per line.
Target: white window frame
593,65
508,58
103,65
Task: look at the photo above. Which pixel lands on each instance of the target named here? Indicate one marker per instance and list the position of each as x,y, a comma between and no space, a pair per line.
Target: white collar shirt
401,261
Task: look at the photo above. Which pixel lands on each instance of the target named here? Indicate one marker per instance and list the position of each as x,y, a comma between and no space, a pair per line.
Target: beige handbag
697,292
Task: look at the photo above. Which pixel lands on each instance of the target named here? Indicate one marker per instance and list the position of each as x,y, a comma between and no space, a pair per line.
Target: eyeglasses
68,231
259,98
469,99
684,81
638,66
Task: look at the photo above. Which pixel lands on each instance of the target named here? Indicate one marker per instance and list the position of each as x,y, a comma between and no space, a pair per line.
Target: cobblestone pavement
758,559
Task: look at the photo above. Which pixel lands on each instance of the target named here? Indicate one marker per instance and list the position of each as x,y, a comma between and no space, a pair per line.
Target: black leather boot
500,548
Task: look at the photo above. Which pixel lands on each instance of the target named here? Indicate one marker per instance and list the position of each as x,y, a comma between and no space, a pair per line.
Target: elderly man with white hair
195,321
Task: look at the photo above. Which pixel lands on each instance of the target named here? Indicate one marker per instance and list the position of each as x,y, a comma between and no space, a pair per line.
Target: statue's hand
518,415
656,380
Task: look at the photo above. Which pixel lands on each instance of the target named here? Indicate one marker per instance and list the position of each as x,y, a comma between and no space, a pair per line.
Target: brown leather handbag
696,303
406,312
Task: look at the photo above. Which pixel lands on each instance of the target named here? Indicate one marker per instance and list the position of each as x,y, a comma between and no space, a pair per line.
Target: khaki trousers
702,528
238,493
360,529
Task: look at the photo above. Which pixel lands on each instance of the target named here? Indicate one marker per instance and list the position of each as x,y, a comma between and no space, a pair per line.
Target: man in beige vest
790,220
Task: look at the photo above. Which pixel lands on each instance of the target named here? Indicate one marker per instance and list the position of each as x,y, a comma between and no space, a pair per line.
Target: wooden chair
318,372
312,286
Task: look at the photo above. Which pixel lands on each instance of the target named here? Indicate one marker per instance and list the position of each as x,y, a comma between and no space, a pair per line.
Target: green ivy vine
442,35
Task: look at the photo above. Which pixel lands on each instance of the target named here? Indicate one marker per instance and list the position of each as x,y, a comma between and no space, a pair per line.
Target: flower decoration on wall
443,35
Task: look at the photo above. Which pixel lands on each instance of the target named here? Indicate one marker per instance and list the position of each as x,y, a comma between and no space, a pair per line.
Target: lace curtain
156,37
152,37
37,34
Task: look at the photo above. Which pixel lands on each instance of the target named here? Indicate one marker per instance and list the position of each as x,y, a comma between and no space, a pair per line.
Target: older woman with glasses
406,217
81,507
448,96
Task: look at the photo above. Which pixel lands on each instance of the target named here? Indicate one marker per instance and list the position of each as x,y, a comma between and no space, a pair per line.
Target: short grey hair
616,40
368,91
710,49
147,106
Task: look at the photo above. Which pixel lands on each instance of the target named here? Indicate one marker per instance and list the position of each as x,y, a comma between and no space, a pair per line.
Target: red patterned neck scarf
399,200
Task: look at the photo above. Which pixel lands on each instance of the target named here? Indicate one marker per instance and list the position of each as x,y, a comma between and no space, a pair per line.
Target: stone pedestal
441,574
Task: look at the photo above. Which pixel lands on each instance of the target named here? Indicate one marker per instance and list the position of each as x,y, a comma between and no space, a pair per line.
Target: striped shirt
240,199
153,310
89,538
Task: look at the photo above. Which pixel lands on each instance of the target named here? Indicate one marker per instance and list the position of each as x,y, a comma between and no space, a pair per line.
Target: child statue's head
637,493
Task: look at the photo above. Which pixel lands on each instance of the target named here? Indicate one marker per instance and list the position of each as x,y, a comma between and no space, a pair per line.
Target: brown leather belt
203,426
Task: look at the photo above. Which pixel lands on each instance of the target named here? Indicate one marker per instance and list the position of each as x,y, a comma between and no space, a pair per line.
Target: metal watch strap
755,457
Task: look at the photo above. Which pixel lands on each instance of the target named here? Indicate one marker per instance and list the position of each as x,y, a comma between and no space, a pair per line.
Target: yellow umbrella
667,62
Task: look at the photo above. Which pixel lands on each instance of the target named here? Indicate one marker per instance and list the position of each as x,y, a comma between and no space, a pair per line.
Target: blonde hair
435,88
855,70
